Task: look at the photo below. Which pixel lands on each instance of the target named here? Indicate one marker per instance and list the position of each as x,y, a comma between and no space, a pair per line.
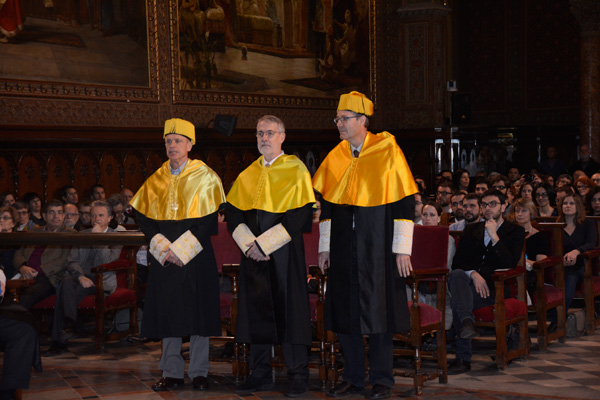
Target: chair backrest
430,247
225,248
596,219
311,246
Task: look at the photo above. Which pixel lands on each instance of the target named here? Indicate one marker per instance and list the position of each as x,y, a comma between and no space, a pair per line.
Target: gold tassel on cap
180,127
357,102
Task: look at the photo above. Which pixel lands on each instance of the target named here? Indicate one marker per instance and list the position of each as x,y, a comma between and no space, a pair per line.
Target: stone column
587,13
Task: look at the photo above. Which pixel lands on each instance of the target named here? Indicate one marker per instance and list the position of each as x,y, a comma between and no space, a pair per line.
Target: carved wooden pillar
587,13
422,62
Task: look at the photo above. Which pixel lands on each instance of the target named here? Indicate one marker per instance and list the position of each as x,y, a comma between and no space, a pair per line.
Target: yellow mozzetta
283,186
379,175
159,198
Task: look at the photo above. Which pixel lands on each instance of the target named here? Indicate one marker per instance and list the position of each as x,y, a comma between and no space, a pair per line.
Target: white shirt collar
268,164
178,170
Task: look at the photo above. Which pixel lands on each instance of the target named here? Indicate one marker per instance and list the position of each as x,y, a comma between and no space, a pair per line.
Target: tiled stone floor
127,371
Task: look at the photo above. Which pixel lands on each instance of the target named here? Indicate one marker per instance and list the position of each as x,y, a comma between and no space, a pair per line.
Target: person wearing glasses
545,197
584,186
23,222
485,247
443,196
365,242
177,210
268,207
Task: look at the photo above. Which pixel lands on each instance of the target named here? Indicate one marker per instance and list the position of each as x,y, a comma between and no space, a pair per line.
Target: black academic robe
381,290
473,254
182,301
273,304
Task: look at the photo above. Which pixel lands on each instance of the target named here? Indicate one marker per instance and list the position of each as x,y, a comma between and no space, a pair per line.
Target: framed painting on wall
104,49
272,52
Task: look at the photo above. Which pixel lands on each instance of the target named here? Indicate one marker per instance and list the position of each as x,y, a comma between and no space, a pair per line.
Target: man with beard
444,194
484,248
471,206
481,185
457,206
365,240
268,208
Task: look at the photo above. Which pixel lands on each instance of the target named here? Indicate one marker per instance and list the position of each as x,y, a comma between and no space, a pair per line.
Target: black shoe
138,339
380,391
344,388
55,349
298,387
7,394
200,383
253,385
552,327
166,383
458,367
468,330
66,334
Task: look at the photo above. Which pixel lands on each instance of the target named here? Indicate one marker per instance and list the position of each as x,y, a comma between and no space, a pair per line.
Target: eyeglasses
69,215
54,213
491,204
579,187
23,212
444,193
72,194
6,218
541,195
343,120
269,134
500,187
85,213
595,200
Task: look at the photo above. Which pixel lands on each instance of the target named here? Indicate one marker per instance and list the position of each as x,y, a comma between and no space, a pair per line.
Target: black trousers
68,295
21,351
41,289
296,360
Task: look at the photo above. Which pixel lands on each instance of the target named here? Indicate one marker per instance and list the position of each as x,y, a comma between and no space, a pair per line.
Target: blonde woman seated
431,216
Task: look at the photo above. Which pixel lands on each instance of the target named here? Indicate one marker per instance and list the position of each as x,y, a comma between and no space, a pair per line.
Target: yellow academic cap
357,102
180,127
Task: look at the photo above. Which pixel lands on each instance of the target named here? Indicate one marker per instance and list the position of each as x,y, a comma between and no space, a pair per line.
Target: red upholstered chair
506,312
430,264
589,290
550,286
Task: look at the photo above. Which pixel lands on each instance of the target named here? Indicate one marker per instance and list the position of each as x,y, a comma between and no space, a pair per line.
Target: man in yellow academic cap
268,207
176,208
365,241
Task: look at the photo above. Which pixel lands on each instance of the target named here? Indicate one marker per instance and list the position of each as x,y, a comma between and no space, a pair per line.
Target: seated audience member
34,202
444,193
500,183
68,194
561,193
457,206
462,180
484,248
481,186
19,339
80,282
579,235
44,264
23,221
493,175
596,178
583,185
585,163
545,196
526,191
536,244
7,199
549,179
315,216
564,180
447,175
8,218
127,196
72,216
471,205
594,202
421,184
578,174
97,192
513,174
431,217
552,165
118,204
84,214
536,178
418,208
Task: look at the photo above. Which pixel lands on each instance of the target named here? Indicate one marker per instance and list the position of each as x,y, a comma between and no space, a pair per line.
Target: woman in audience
431,215
594,202
34,202
545,196
462,180
579,235
549,179
536,244
584,185
526,191
7,199
8,218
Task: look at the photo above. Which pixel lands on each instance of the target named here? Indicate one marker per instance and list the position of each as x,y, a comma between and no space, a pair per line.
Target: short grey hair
272,118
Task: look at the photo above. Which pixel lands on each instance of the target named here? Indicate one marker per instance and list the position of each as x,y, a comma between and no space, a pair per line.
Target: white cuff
186,247
403,236
242,235
273,239
158,247
324,235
